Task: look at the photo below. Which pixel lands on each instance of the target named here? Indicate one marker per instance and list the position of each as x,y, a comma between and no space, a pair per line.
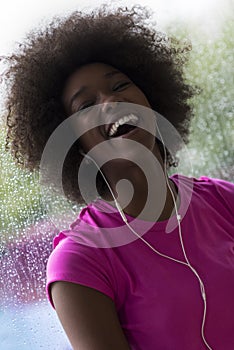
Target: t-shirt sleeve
226,190
73,262
223,190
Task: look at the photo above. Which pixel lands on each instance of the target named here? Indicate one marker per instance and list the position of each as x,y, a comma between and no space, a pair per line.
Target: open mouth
122,126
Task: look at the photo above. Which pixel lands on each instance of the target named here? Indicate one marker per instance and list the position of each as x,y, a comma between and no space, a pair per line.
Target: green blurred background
210,148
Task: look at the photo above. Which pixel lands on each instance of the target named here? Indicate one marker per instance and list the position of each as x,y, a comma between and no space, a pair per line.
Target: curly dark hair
121,38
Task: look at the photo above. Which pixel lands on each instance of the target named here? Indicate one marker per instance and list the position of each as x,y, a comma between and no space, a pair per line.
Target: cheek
142,99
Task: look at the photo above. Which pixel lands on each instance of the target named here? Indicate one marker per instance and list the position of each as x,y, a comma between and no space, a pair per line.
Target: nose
108,103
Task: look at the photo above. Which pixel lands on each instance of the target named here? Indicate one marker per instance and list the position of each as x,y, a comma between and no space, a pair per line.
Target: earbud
82,152
87,159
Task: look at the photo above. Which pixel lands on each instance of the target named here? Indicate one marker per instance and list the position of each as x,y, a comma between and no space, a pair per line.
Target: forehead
90,73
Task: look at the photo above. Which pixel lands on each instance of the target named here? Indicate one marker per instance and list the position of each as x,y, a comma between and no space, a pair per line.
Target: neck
138,202
163,205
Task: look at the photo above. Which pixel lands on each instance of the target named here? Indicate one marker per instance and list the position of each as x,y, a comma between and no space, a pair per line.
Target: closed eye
121,86
86,105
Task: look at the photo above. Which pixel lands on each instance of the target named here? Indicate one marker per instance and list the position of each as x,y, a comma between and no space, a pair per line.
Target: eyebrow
111,73
83,88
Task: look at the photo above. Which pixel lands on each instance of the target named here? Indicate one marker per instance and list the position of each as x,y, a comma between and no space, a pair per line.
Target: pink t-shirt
158,301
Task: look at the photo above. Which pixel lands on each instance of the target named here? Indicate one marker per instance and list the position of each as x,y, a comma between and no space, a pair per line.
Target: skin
88,316
105,86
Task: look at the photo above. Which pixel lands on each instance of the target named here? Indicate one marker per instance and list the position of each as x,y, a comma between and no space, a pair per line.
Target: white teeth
121,121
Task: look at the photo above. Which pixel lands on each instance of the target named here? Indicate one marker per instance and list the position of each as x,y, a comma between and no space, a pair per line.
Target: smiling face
106,88
116,117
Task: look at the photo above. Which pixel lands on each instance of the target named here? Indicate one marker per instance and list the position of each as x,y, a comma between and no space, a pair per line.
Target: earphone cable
202,286
178,217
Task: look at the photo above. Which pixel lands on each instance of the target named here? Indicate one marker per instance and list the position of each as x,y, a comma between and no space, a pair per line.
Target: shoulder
216,188
204,183
80,264
214,192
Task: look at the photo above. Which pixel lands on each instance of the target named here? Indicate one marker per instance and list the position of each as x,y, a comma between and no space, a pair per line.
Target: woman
143,289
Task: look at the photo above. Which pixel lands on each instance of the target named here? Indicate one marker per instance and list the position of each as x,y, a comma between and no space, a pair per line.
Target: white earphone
187,263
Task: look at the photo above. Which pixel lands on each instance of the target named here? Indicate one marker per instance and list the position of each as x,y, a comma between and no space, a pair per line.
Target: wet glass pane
28,224
211,68
27,320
